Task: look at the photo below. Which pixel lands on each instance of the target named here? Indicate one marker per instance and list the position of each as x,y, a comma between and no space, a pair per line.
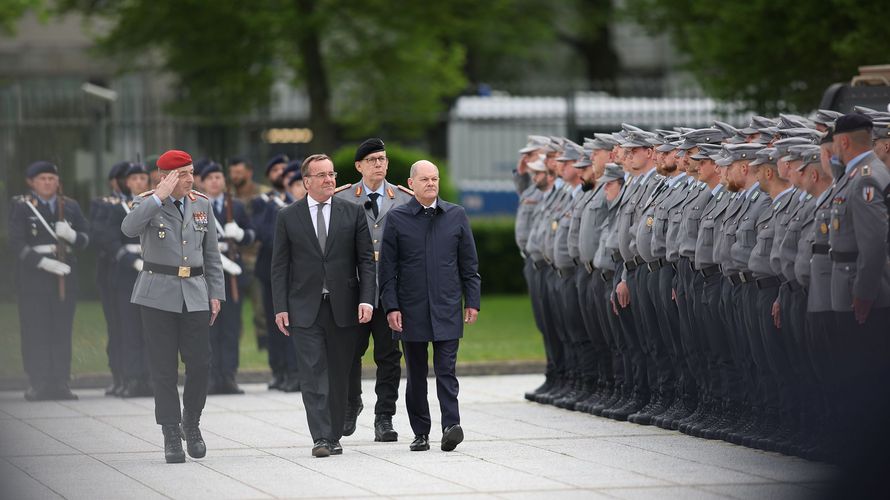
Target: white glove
66,232
232,230
229,266
137,264
53,266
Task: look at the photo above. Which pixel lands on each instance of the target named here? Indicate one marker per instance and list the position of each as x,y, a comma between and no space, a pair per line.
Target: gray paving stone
259,447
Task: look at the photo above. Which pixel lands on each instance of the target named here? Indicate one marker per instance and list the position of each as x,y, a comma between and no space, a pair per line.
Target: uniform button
184,242
376,226
375,241
185,258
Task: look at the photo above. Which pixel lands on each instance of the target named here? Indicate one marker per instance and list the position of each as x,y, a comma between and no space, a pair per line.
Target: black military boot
277,382
116,386
192,434
383,430
545,387
173,453
559,388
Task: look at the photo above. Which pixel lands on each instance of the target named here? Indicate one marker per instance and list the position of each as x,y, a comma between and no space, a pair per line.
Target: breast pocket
765,241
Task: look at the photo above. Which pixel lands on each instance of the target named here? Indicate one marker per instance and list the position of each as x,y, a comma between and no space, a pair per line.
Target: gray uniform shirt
591,226
712,219
745,236
765,228
787,252
185,240
645,227
691,212
724,234
528,200
574,238
819,296
562,259
782,221
534,248
802,225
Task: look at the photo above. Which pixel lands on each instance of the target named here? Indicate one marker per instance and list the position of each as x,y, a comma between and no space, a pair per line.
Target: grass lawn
505,331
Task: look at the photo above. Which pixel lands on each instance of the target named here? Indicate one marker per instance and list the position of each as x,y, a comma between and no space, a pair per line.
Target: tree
365,64
772,56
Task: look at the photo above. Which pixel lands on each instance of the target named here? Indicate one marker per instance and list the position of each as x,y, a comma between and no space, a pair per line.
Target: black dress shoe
173,452
277,382
336,449
115,388
192,434
383,430
451,437
61,392
352,411
229,386
321,449
420,443
291,383
136,388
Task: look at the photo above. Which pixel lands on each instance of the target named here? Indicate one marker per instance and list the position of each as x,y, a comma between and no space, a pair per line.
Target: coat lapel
336,219
303,218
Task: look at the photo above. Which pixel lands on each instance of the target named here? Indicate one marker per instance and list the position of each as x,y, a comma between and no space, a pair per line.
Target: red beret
173,159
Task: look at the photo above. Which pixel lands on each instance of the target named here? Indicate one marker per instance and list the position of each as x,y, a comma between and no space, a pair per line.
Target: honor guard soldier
265,207
100,232
127,261
377,196
234,230
180,289
44,228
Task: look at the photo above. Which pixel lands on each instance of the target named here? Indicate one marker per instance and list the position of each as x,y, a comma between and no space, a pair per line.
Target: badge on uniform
823,228
554,225
649,221
162,233
201,220
836,224
868,193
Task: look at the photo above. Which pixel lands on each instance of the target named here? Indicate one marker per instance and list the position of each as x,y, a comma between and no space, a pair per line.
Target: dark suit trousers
168,336
324,356
386,357
416,363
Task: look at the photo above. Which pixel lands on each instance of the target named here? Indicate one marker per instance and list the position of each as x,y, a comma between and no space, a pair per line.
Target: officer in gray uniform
522,177
377,196
529,249
860,275
587,225
179,288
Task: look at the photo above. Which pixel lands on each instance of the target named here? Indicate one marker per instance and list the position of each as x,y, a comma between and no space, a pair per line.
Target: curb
100,380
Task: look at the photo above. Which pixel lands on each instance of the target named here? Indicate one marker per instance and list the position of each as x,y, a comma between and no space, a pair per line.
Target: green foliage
400,161
773,56
499,262
12,10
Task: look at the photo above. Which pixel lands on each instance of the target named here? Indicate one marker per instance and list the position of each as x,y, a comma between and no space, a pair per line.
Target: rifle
60,245
233,251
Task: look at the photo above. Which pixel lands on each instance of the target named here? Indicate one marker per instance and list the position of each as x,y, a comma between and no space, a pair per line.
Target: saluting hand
214,310
166,186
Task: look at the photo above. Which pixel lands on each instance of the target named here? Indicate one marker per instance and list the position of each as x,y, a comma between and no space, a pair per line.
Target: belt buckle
184,272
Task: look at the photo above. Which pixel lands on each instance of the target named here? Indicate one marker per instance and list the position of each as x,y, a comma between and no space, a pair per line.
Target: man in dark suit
322,273
430,284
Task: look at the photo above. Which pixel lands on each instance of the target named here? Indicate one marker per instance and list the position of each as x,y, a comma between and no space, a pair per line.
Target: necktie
373,197
322,234
179,207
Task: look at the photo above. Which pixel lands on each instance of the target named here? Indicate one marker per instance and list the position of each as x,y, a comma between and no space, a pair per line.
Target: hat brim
666,147
528,149
724,162
582,164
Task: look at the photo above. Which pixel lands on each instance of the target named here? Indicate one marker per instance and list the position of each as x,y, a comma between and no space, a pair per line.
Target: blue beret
40,167
119,169
275,160
136,168
209,168
371,145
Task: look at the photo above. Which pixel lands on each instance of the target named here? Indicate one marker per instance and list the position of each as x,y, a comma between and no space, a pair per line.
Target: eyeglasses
376,160
324,175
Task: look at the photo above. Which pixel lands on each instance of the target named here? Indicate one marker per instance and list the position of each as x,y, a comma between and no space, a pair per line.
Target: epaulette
111,200
147,193
22,198
390,193
405,190
345,187
193,194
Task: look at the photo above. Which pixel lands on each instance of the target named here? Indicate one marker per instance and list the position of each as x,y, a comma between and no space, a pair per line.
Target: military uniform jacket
592,225
745,236
859,226
765,229
528,200
802,225
785,249
574,236
782,221
691,212
632,214
393,197
674,210
555,214
265,209
562,259
725,234
608,243
712,220
534,248
229,247
819,296
171,239
646,224
124,250
29,241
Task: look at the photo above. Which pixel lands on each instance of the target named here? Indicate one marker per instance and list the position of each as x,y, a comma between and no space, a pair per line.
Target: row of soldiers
728,283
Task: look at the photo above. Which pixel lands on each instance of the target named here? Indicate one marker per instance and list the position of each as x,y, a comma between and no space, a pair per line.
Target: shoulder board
199,194
345,187
147,193
111,200
405,190
22,198
866,171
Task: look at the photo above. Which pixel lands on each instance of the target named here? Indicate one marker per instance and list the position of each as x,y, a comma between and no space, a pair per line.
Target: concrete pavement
259,447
